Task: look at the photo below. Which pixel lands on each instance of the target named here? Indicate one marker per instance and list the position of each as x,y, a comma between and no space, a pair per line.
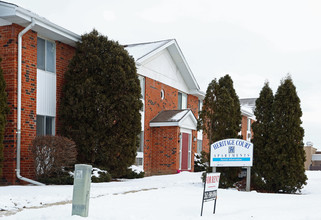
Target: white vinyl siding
46,93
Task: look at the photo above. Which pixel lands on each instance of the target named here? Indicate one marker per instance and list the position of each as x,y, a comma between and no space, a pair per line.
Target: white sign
212,181
232,153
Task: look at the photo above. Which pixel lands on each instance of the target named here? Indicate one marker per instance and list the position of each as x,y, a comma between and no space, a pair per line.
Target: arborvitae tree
229,105
219,117
101,103
3,114
264,154
235,114
287,136
207,115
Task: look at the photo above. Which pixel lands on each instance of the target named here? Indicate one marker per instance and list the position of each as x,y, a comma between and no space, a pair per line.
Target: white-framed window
45,125
140,150
46,55
162,94
182,100
199,146
248,131
200,106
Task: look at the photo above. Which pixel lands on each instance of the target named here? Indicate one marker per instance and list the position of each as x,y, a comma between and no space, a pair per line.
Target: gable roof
249,102
182,118
143,51
248,107
11,13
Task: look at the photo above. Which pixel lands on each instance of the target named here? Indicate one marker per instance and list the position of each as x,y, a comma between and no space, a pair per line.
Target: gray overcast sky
253,41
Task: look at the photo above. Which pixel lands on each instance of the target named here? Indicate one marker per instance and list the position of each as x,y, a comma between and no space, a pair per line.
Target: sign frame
231,152
211,184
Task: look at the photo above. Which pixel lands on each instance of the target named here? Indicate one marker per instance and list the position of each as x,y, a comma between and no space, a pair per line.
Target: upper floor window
46,51
200,105
248,132
182,101
142,85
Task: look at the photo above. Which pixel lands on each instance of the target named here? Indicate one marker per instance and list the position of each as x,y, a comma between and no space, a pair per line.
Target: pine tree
264,154
101,103
220,118
3,114
288,140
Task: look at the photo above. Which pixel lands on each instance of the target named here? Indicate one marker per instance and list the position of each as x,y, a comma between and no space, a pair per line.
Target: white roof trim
180,123
15,14
179,59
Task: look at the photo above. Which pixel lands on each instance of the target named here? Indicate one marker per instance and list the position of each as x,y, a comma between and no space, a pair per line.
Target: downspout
19,105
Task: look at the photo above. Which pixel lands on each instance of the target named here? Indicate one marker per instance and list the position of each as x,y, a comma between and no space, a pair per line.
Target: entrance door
186,152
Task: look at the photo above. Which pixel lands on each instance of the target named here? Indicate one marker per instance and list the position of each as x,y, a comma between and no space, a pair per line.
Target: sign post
233,153
210,189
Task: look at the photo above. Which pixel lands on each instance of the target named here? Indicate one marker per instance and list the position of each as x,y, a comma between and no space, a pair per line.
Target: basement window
46,55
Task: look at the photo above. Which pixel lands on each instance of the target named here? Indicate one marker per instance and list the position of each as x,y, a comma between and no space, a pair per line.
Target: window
248,132
46,55
140,150
162,94
141,142
45,125
142,86
199,146
182,101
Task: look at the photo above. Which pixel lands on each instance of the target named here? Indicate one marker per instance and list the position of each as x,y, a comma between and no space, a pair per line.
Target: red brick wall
154,105
192,103
154,161
165,150
9,40
244,127
64,54
8,52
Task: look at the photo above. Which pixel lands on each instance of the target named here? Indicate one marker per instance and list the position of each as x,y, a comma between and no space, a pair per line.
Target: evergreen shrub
100,104
220,119
4,109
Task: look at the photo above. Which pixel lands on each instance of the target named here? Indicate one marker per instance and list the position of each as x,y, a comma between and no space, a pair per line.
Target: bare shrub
53,155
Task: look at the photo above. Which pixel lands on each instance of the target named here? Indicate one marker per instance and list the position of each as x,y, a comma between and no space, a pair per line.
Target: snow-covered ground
176,197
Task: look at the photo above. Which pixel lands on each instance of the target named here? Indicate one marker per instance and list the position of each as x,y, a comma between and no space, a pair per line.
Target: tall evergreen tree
220,118
3,114
235,113
207,115
101,103
264,155
288,139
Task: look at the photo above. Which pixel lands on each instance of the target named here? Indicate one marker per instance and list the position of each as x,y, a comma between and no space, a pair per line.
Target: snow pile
96,172
136,169
175,196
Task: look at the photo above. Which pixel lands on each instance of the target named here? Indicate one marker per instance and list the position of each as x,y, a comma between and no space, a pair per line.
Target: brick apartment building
45,52
171,95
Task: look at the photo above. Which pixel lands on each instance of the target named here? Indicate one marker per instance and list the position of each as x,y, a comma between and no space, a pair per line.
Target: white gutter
19,105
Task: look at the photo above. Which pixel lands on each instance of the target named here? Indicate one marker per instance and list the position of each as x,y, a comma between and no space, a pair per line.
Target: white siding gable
162,68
